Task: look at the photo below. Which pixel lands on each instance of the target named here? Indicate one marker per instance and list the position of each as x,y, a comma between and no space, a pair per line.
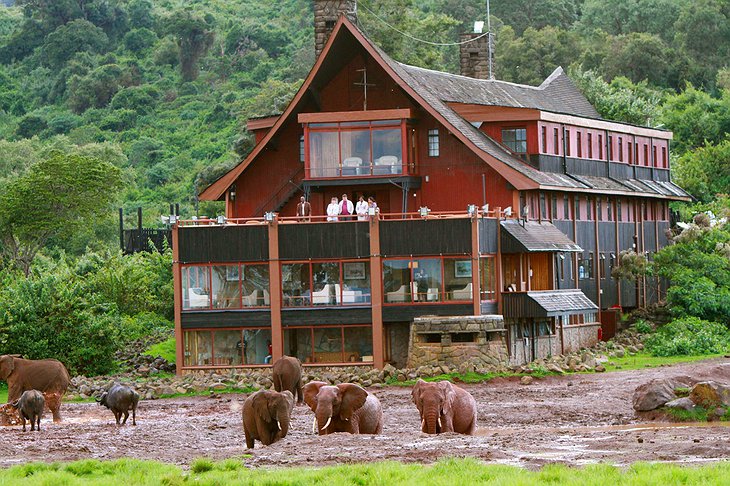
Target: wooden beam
277,337
345,116
376,298
605,125
177,299
260,123
475,267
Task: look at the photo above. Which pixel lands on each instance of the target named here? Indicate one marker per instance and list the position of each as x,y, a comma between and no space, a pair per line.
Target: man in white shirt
361,208
347,209
333,210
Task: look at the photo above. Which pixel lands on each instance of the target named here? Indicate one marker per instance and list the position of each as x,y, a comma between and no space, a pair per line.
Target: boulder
654,394
681,403
527,380
600,368
710,394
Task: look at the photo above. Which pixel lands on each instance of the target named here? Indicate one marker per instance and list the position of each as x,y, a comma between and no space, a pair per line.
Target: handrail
289,180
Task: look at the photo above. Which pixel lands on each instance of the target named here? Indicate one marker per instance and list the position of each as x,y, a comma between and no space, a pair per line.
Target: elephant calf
343,408
287,375
266,416
120,399
30,406
445,408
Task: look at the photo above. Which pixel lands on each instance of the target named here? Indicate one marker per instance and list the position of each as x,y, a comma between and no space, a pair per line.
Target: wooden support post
177,299
597,260
376,284
475,281
277,337
498,277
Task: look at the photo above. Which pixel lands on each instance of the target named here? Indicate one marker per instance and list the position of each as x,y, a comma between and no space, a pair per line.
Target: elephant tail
300,394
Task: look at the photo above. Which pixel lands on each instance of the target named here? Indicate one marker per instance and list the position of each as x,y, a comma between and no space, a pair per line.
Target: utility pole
490,46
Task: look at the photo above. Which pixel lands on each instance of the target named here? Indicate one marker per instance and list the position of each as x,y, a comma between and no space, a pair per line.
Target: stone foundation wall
437,340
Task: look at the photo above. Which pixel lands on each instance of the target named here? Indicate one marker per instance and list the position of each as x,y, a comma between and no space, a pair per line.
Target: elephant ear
416,393
449,395
260,405
7,365
353,397
310,391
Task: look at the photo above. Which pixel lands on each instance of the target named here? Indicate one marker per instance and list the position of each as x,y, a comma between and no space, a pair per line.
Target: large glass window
330,344
255,286
433,142
196,287
332,283
226,285
295,284
356,148
487,278
515,139
397,280
427,280
227,347
424,280
457,279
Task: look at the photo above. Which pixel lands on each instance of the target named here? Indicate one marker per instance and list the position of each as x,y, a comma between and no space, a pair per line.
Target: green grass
445,472
166,349
3,392
698,414
646,360
470,377
246,390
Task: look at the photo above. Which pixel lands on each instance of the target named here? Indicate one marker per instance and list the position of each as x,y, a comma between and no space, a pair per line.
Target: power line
406,34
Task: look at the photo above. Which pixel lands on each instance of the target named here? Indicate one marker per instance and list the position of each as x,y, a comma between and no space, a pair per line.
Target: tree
696,117
619,17
55,196
67,40
705,172
521,14
194,35
640,57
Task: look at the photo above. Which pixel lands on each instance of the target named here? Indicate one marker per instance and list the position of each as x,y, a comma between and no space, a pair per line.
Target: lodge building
493,198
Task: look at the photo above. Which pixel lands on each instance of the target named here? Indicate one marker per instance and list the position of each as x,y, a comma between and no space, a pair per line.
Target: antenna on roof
490,46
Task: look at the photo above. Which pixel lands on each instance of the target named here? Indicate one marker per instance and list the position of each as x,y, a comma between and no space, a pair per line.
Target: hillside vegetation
156,94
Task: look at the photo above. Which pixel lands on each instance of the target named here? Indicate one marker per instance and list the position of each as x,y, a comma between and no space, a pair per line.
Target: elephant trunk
324,419
432,417
282,418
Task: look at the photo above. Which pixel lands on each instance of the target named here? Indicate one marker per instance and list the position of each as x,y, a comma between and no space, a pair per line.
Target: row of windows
590,208
252,346
627,149
335,283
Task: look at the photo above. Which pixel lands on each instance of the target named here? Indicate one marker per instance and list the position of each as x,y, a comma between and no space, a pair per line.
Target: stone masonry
326,13
474,56
452,341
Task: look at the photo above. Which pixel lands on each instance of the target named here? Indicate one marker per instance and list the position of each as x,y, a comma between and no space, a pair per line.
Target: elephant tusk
423,423
328,423
278,424
314,425
439,419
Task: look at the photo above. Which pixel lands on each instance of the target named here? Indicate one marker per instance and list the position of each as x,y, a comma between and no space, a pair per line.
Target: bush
643,327
689,336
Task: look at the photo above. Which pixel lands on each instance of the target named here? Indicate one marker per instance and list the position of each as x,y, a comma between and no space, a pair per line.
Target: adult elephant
266,416
343,408
48,376
287,375
445,407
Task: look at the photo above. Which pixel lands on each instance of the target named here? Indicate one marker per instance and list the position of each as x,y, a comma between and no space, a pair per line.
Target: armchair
387,164
400,295
251,300
462,294
351,165
322,297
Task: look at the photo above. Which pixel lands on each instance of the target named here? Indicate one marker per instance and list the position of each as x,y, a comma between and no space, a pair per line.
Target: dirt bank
575,419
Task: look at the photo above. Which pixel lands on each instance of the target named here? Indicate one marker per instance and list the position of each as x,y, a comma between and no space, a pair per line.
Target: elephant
287,375
266,416
445,407
343,408
45,375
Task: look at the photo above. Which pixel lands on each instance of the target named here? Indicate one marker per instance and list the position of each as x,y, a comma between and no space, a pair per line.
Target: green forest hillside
144,102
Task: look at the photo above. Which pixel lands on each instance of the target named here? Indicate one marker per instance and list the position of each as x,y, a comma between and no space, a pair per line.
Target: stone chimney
474,56
326,13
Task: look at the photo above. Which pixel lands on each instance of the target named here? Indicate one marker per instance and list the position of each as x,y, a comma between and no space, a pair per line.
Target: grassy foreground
646,360
444,472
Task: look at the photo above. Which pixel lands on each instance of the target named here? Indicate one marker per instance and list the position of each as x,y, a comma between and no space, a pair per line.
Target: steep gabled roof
557,93
432,90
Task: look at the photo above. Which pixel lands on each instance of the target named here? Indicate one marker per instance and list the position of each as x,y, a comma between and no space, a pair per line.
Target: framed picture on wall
462,269
232,273
354,270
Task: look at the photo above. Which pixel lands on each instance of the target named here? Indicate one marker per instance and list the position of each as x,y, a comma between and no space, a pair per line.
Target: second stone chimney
474,56
326,13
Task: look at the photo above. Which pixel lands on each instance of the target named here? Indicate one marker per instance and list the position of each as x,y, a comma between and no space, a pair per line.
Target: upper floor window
579,145
301,149
229,286
664,157
544,140
515,139
325,283
609,148
590,145
631,152
556,141
600,146
433,142
620,149
567,143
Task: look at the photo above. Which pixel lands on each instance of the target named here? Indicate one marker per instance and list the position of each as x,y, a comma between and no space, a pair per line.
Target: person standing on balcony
347,209
372,204
361,208
304,210
333,210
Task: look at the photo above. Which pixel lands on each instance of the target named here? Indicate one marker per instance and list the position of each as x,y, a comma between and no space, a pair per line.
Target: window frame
341,263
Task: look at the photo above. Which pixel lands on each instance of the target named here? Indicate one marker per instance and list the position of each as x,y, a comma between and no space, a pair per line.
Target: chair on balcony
251,300
198,298
322,297
387,164
462,294
400,295
267,299
351,165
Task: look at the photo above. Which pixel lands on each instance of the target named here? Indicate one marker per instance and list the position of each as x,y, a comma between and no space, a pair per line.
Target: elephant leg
32,423
249,438
38,420
117,417
126,416
447,423
22,418
134,415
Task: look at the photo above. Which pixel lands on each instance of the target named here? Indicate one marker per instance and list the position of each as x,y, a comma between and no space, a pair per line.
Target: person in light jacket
361,208
333,210
347,209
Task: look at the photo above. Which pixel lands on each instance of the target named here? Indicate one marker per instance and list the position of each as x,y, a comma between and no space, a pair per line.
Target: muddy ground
576,419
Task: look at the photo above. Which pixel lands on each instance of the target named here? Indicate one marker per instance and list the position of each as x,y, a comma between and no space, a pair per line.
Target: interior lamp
269,216
423,211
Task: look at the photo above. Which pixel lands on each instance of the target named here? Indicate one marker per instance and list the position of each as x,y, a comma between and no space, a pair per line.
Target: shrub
643,327
689,336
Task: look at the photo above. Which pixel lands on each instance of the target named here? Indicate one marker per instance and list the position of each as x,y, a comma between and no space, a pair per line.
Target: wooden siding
488,235
425,237
221,244
334,240
333,315
400,313
226,318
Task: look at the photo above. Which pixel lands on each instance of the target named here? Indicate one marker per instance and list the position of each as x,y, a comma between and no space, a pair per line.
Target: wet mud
576,420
